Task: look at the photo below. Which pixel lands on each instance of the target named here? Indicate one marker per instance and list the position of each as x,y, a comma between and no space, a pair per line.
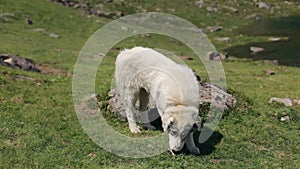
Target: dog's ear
168,123
171,128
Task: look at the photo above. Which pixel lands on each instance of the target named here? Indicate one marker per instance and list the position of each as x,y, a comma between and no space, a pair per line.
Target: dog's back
179,80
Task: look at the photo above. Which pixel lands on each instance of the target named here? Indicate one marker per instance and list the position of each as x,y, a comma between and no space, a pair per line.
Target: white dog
141,72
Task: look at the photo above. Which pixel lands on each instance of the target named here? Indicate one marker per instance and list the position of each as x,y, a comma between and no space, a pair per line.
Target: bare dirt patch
49,69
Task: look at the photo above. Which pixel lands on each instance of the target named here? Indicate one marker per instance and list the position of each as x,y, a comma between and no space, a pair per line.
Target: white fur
141,72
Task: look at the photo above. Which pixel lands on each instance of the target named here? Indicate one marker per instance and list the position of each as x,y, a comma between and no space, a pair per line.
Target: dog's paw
135,130
195,150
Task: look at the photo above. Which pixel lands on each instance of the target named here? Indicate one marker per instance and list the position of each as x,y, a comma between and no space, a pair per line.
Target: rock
276,39
115,102
295,102
286,101
254,49
285,118
254,17
186,58
18,62
97,10
217,56
269,72
76,6
263,5
6,17
52,35
92,155
212,9
214,28
222,39
109,14
22,77
119,13
199,3
232,9
28,21
289,3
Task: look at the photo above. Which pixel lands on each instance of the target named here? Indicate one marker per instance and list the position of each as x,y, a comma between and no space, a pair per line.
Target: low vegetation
39,127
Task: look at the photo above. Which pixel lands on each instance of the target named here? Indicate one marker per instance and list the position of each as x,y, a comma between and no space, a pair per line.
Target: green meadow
38,123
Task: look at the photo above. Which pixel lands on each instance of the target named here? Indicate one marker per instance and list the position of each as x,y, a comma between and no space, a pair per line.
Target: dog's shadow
206,147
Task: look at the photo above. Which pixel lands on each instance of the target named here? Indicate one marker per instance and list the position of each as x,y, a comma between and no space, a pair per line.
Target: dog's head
179,123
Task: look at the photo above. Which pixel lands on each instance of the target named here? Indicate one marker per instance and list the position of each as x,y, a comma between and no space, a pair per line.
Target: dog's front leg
191,144
130,109
131,120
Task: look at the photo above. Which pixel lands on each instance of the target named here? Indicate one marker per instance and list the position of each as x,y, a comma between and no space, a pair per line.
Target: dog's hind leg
130,100
144,100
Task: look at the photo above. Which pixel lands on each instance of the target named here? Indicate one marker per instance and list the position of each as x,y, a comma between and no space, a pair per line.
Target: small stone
119,13
199,3
212,9
76,6
276,39
186,58
263,5
53,35
254,17
214,56
28,21
232,9
18,62
214,28
92,155
222,39
285,118
9,61
254,49
295,102
269,72
288,3
286,101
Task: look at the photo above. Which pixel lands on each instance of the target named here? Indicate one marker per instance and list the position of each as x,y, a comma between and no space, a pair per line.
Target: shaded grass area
39,127
286,51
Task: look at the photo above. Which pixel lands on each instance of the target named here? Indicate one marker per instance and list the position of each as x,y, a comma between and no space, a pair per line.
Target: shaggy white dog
141,72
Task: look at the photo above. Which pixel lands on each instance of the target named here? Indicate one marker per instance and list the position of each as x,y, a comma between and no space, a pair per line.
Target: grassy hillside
39,127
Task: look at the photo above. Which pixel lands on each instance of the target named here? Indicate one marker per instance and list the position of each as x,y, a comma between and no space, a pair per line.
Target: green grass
39,127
